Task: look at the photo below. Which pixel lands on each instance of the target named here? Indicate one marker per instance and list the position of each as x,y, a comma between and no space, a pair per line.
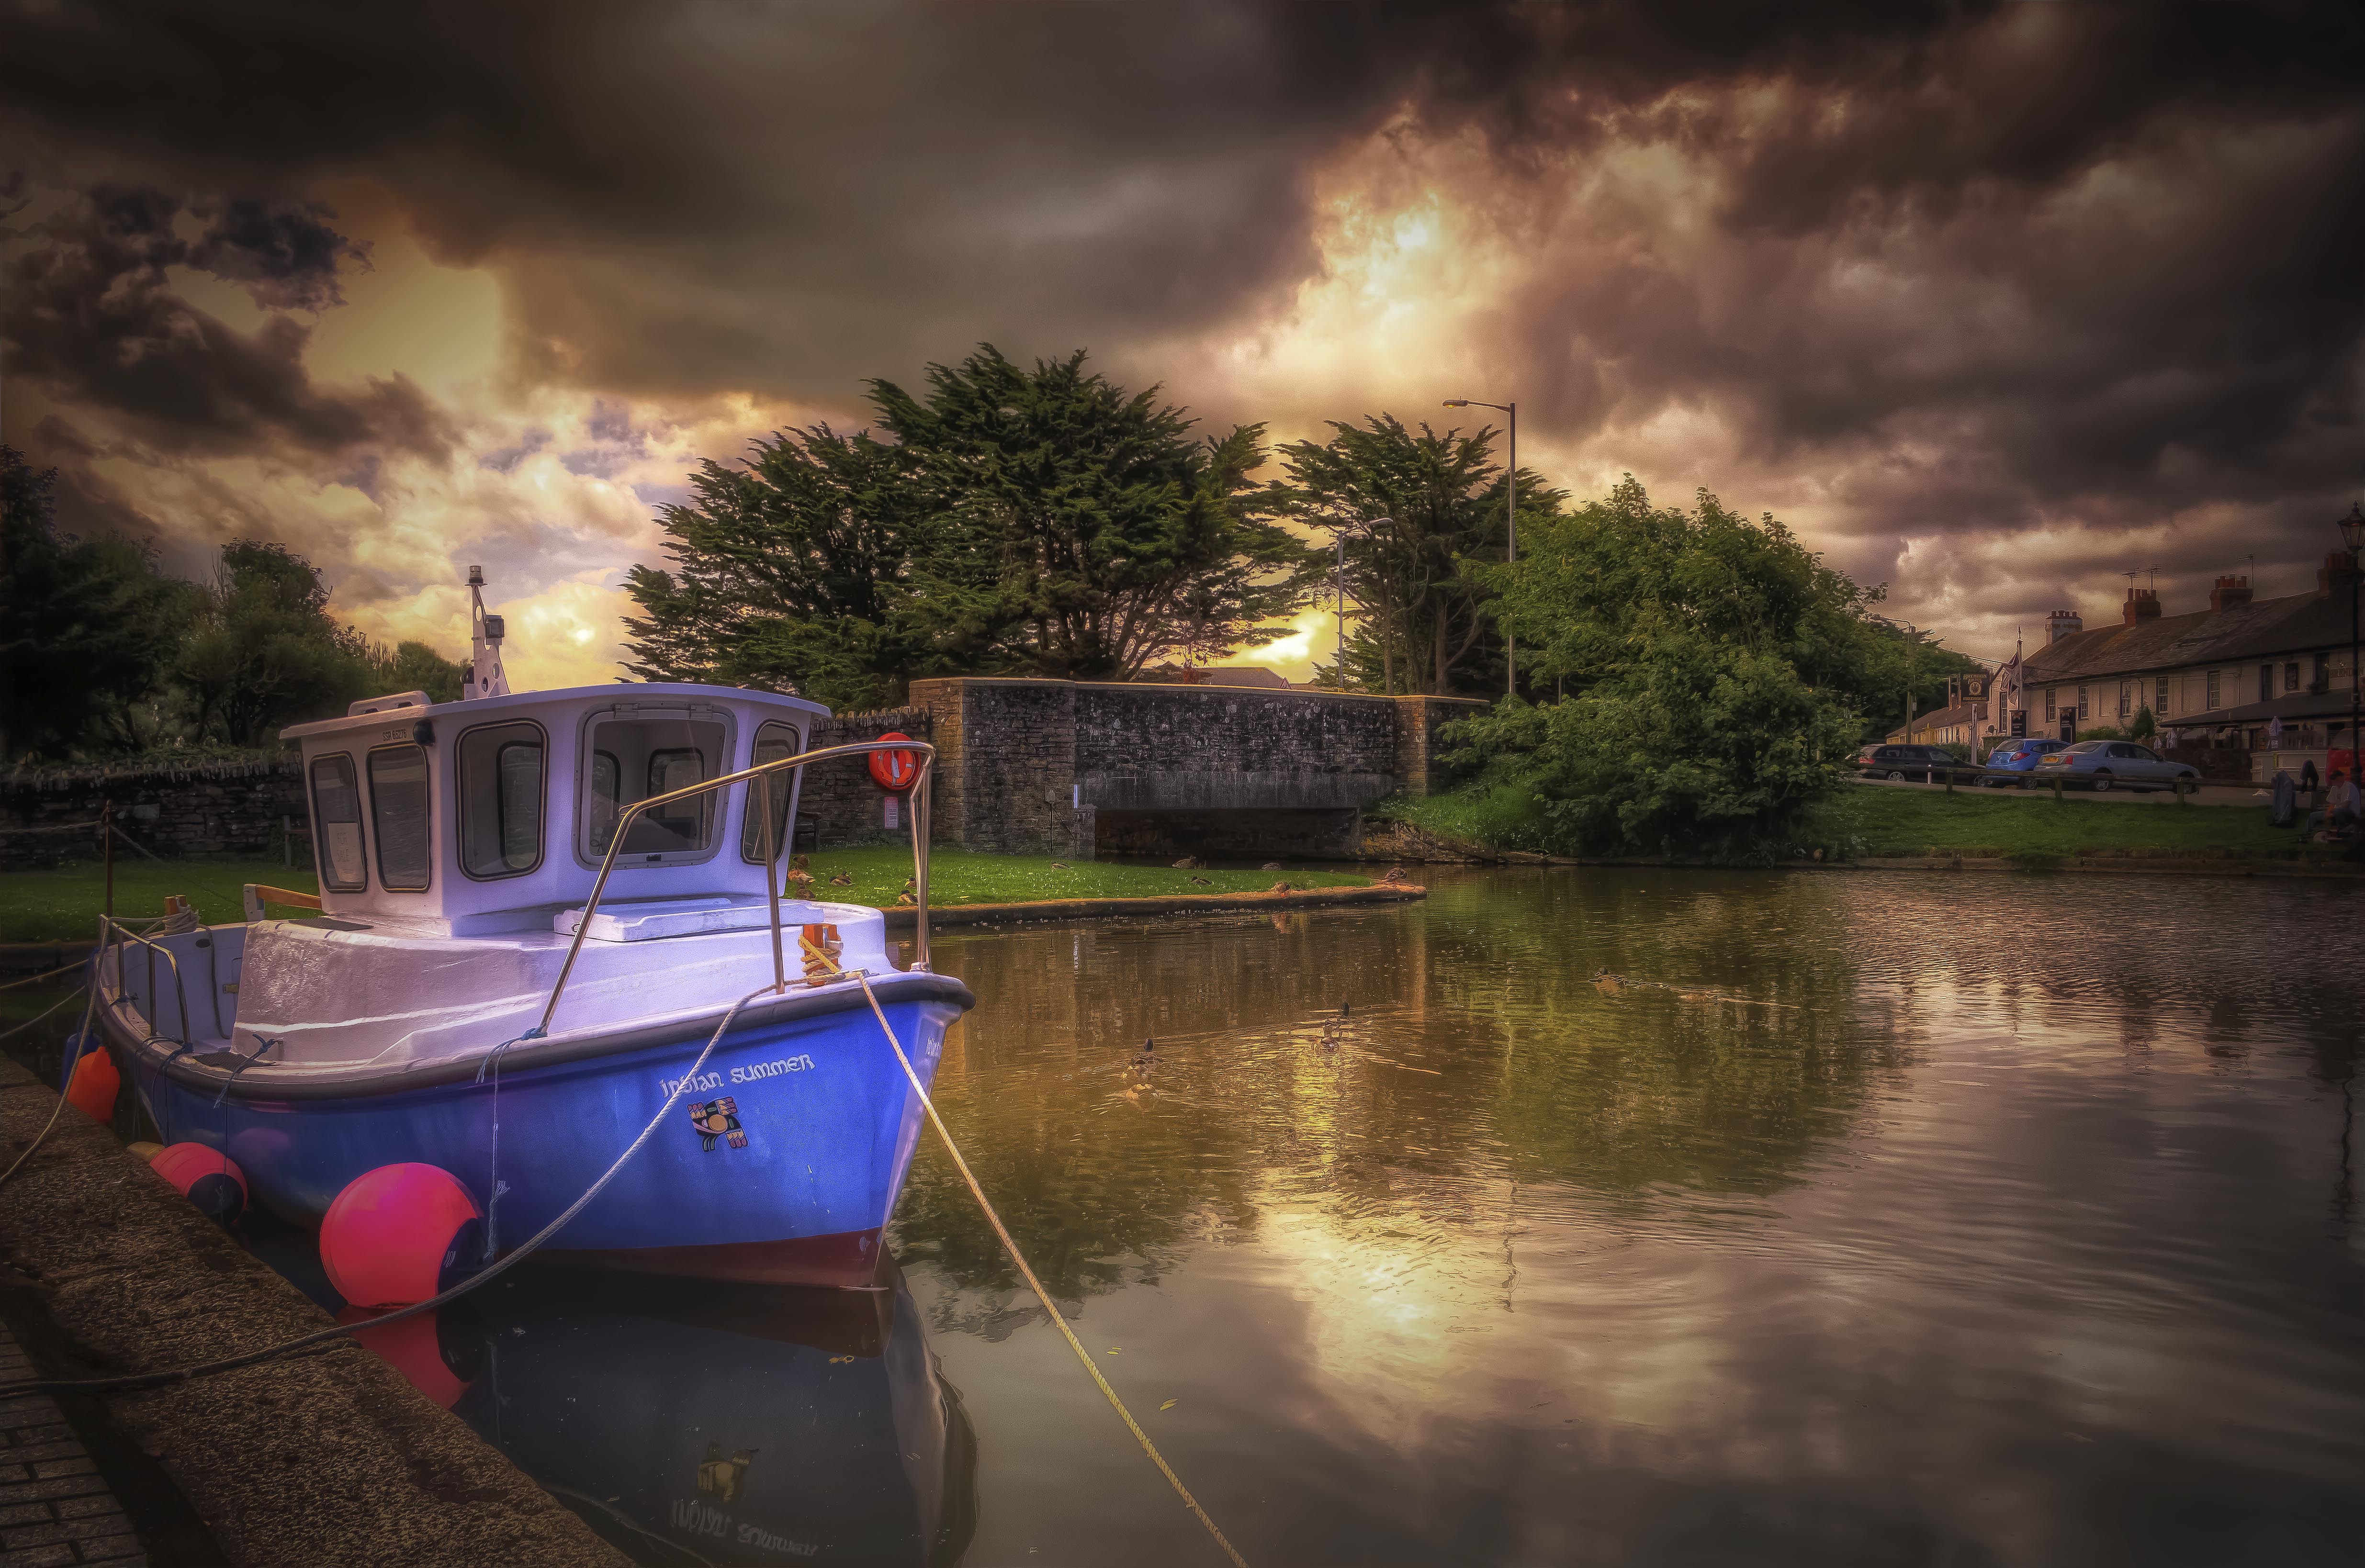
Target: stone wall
845,805
1032,767
229,808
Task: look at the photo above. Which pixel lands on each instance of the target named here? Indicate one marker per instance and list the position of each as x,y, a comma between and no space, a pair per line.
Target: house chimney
2334,574
2143,604
2062,623
2229,591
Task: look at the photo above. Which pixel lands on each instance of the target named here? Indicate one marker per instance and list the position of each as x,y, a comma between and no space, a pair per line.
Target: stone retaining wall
236,809
1037,766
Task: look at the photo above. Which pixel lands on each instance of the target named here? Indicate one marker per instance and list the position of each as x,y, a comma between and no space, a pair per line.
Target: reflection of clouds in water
1979,1248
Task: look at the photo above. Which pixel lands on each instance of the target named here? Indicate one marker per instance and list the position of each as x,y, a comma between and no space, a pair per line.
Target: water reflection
724,1424
711,1424
1864,1218
1872,1218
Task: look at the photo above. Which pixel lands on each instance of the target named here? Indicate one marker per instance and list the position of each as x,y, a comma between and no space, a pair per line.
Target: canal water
1851,1218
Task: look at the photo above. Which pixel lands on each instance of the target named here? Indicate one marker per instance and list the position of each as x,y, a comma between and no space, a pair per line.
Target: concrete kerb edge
325,1457
904,918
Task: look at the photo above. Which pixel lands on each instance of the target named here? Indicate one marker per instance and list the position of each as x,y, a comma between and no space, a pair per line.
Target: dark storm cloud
91,314
1967,267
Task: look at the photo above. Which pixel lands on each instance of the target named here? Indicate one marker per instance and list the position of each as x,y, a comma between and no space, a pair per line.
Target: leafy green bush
1713,667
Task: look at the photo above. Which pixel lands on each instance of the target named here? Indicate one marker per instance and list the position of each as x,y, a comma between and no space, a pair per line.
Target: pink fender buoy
94,1085
206,1177
414,1348
398,1234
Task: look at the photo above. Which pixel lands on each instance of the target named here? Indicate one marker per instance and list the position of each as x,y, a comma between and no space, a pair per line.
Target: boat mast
486,678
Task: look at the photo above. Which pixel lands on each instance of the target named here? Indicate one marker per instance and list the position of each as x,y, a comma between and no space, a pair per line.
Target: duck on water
531,918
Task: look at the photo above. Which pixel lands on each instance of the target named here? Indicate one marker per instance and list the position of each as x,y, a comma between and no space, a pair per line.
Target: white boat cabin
493,813
457,844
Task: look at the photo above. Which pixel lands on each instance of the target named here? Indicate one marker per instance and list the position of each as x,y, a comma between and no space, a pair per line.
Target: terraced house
2220,677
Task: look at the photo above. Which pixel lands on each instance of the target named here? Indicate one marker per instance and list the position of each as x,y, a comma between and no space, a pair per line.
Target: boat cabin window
500,782
773,742
398,805
337,818
637,758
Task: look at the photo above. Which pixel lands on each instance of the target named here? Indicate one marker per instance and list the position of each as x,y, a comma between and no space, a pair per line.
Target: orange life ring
895,770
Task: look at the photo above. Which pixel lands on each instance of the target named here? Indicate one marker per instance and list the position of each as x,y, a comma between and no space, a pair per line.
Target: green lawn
1873,822
959,876
1861,820
63,905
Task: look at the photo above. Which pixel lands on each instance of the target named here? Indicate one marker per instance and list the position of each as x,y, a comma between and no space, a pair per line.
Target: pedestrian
2343,803
2339,812
2308,778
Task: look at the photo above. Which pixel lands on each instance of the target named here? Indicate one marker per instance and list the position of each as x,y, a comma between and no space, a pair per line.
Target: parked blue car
2105,764
2019,757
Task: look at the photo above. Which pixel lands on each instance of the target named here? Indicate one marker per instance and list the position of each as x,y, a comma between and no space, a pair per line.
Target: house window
500,781
2213,689
337,823
2083,711
2291,676
2160,704
2126,697
2266,682
397,780
635,759
2048,704
2322,679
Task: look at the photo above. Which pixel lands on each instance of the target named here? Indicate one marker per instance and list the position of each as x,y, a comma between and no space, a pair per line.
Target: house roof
1961,714
2295,705
2262,627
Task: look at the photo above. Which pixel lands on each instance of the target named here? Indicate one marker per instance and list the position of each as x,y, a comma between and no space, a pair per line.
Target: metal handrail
107,923
763,770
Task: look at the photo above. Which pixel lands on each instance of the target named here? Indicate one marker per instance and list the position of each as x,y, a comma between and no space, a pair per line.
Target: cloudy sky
1990,302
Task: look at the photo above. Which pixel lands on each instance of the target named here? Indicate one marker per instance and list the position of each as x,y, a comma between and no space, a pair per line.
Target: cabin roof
524,703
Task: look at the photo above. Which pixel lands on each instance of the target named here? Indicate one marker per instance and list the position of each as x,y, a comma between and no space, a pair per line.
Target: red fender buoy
398,1234
415,1349
895,770
94,1084
206,1177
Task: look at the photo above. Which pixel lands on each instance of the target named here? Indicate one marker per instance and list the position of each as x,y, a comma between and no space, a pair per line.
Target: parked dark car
1906,761
2019,757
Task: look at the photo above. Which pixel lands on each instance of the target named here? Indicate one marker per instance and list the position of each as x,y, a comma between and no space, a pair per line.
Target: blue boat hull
807,1129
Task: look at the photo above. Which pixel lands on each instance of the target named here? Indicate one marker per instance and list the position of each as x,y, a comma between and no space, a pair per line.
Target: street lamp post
2352,533
1512,530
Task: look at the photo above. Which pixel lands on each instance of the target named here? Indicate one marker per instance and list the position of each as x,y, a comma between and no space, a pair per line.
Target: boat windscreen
636,759
337,813
773,742
398,805
501,768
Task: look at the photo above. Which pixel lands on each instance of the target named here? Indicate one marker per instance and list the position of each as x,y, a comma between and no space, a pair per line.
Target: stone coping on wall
322,1457
1210,688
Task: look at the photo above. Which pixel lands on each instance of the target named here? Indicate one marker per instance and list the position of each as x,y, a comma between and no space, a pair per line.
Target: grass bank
1860,823
62,905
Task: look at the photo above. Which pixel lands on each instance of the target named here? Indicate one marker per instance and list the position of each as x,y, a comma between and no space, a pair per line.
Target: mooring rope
62,969
89,994
1058,1319
37,1017
484,1276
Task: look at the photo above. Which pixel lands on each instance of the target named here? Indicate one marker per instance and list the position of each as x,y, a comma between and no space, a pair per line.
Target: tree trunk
1437,688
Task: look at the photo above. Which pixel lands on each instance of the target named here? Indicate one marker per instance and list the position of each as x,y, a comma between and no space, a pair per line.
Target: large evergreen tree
1411,510
1039,521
